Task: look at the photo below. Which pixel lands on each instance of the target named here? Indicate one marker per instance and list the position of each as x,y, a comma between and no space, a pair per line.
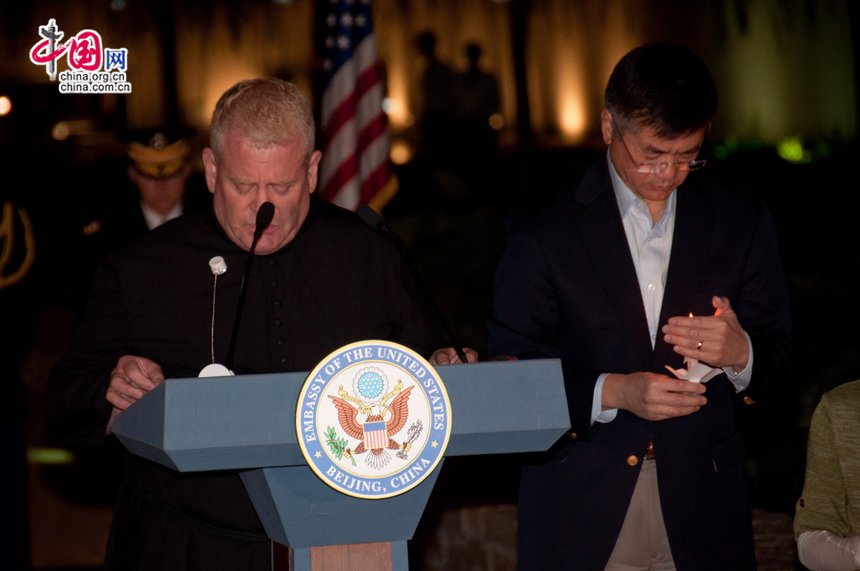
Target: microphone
264,217
372,218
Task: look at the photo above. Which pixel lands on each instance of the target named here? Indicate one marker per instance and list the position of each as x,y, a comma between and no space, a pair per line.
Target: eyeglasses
657,168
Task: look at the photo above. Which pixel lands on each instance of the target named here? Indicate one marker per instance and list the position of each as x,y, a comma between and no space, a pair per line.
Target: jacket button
571,435
632,460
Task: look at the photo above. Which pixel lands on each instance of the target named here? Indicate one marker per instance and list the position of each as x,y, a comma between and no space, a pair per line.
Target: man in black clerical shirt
322,279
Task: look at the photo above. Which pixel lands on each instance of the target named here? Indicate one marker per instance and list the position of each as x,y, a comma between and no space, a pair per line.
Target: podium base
382,556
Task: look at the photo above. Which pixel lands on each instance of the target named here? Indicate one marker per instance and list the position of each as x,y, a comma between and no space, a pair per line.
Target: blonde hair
267,111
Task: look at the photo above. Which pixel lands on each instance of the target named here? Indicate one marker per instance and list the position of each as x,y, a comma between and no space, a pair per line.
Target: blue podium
247,423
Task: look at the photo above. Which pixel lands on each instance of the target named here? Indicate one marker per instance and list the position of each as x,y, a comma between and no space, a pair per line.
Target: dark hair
663,86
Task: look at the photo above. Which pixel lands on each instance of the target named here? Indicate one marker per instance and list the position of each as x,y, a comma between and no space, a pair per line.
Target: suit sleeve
525,321
76,408
764,313
525,306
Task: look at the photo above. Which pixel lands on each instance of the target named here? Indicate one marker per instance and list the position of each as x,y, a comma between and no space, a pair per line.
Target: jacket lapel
599,224
694,226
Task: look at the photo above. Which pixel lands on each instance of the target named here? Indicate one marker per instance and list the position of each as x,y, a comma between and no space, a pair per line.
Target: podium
247,423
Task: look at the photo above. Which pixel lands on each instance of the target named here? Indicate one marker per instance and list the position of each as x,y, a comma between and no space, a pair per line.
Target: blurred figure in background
478,100
161,171
438,100
17,322
119,198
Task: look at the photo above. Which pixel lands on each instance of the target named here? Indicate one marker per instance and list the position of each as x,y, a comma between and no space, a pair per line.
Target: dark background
451,216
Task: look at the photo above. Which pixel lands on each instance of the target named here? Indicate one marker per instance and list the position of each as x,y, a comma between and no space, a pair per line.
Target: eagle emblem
373,419
372,415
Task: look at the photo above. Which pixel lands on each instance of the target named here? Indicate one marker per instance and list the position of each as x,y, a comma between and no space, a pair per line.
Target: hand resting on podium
448,356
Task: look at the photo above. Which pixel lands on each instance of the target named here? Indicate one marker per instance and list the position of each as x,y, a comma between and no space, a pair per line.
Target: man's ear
210,168
606,127
313,169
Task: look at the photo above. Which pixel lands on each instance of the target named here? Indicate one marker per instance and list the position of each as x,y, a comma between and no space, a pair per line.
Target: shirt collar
154,219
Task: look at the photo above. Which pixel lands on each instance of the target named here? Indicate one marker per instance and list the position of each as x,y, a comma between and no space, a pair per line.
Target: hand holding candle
717,340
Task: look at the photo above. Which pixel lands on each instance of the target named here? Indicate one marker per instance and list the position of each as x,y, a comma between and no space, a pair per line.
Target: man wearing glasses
643,265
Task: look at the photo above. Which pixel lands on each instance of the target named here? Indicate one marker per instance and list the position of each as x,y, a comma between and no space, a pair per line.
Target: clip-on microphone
264,217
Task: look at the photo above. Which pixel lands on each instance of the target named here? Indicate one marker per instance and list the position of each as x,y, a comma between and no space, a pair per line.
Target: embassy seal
373,419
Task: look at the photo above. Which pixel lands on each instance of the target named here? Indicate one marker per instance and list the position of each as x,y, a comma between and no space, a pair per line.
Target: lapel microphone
264,217
372,218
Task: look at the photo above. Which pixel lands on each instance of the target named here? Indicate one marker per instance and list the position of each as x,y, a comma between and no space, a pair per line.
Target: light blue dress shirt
650,245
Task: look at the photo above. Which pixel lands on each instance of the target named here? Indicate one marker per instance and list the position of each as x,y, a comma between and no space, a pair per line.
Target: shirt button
277,303
632,460
278,322
283,360
651,287
280,340
272,263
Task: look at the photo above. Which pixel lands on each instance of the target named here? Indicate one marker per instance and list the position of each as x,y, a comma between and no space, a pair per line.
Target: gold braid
7,243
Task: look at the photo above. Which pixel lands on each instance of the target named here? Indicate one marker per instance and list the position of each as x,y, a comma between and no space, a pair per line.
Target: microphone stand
264,217
372,218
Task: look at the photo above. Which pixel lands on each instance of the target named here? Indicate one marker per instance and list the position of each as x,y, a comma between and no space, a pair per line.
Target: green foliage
338,445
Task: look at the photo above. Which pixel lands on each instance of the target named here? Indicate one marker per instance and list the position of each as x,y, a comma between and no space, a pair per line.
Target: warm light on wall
398,116
396,103
5,105
228,74
400,153
570,114
62,130
571,118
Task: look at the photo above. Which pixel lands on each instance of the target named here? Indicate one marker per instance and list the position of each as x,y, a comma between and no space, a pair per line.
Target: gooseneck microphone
264,217
372,218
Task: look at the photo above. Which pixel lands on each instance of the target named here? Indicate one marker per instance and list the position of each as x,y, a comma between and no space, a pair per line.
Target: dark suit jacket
566,287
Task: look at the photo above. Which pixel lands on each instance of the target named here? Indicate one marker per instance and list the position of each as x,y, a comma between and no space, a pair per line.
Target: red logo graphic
83,51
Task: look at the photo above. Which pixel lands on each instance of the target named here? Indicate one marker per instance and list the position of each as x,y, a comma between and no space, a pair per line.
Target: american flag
355,165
